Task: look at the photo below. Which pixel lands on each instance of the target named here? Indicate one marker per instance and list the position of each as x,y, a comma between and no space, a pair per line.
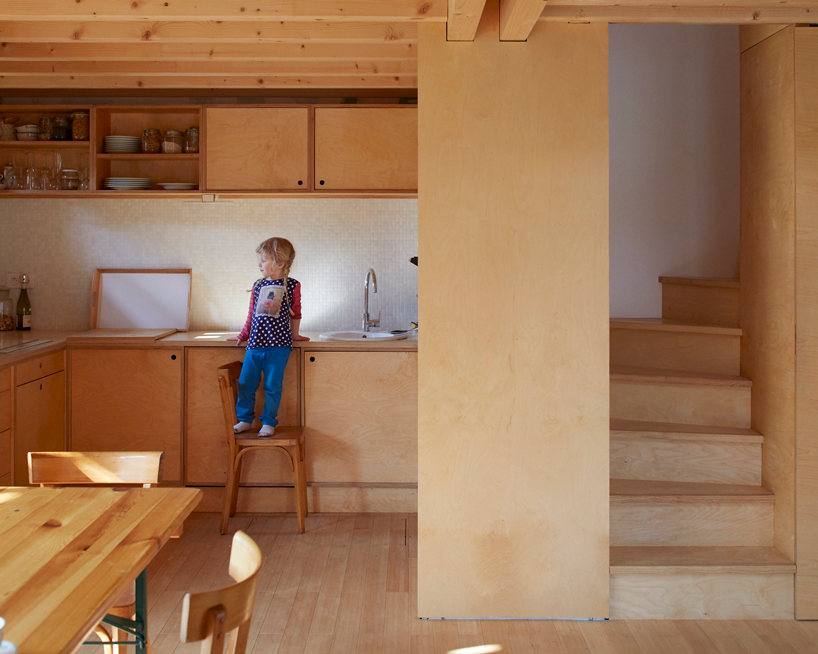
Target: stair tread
662,376
641,491
677,431
698,560
665,324
723,282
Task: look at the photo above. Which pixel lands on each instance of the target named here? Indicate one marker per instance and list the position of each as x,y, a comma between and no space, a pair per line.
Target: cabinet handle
41,387
321,182
173,357
312,358
300,182
41,364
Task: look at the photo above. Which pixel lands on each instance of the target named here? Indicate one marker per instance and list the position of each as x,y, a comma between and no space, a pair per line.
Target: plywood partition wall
513,356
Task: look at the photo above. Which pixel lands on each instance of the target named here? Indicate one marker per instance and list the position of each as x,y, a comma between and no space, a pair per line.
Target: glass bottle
6,311
80,125
191,140
23,306
61,128
173,143
151,140
46,129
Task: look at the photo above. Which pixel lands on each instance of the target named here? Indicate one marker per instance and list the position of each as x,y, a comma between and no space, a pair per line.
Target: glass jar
192,140
7,311
81,125
173,142
151,141
61,128
70,180
46,129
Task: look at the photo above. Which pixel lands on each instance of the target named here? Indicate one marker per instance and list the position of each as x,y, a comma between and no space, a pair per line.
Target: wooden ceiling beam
205,32
91,82
725,15
208,10
204,51
518,17
211,68
464,17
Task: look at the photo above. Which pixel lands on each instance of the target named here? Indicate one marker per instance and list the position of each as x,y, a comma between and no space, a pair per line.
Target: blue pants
271,361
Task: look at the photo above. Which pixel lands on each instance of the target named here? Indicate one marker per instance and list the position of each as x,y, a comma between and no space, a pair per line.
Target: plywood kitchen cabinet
366,149
257,148
361,417
206,440
39,420
128,399
5,427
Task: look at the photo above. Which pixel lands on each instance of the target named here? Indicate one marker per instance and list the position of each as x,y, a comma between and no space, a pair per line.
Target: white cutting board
140,299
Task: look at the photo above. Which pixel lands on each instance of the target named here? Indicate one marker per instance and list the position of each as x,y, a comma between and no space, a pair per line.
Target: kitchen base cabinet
128,399
5,456
361,417
206,440
39,421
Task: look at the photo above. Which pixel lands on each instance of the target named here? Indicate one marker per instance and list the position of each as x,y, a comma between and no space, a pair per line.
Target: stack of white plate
128,183
122,144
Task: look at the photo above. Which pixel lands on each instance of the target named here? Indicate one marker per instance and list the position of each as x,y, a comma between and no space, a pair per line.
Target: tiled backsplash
59,243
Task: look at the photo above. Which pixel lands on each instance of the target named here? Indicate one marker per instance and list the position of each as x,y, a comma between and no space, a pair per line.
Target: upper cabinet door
257,149
366,149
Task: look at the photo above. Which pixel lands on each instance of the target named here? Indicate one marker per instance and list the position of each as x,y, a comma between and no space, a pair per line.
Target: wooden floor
349,585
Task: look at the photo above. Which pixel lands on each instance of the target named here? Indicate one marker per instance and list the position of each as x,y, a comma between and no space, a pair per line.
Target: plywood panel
806,327
702,597
514,389
5,410
5,452
123,399
361,416
5,379
206,440
40,367
768,264
257,148
693,352
750,35
39,421
703,305
373,149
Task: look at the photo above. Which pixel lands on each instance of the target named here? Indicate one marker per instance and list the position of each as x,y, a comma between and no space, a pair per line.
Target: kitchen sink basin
361,336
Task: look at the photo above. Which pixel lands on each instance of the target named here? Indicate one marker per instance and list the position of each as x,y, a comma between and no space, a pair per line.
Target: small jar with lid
61,128
192,140
173,142
70,179
46,129
151,141
80,125
7,311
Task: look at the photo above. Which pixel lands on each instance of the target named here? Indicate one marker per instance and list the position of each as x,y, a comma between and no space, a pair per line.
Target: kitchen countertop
185,339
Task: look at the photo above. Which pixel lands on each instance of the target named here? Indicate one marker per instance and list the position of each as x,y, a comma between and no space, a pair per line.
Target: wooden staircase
691,524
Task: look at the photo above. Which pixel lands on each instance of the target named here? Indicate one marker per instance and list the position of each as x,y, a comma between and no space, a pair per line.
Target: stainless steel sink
360,336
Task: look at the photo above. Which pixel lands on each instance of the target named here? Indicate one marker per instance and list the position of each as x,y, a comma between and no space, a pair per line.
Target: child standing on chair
271,327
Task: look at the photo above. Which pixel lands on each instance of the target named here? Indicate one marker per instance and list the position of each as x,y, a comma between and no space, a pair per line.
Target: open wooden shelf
149,157
46,145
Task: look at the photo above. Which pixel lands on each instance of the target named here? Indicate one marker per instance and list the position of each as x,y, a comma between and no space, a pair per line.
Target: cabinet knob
312,358
300,182
41,364
41,387
321,182
173,357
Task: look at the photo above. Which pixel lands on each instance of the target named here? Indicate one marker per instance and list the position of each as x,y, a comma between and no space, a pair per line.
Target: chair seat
127,598
284,436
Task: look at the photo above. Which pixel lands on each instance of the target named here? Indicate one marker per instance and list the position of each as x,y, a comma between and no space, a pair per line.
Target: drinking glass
43,172
84,172
55,165
30,172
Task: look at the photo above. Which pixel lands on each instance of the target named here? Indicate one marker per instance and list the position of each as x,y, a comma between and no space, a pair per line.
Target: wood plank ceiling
151,45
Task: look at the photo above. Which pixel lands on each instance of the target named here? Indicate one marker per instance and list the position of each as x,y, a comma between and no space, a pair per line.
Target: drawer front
5,410
5,455
5,379
33,369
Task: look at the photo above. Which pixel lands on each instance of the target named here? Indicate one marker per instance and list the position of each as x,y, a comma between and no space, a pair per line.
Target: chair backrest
210,615
229,388
104,468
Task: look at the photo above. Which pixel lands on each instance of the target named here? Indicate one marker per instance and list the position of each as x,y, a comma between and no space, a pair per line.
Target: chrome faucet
367,323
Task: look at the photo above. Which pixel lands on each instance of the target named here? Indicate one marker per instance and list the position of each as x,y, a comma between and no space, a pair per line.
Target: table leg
142,612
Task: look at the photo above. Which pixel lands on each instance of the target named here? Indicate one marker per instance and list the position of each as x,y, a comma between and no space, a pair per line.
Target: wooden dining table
67,554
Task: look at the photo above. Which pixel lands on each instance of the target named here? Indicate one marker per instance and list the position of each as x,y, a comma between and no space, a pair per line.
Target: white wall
60,242
674,121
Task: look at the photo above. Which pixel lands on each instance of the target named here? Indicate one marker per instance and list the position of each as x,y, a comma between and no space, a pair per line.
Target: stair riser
691,461
702,596
723,406
703,523
688,351
703,305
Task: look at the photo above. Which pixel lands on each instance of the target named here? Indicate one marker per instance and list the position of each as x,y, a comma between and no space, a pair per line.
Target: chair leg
105,637
304,480
234,495
228,494
298,479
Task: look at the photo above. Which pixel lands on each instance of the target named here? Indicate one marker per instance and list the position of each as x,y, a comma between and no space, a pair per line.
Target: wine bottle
23,306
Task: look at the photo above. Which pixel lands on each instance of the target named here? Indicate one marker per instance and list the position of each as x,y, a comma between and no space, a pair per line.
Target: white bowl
26,136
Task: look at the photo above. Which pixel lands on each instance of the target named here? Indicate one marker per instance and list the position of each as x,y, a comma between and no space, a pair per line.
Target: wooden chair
289,440
208,616
103,469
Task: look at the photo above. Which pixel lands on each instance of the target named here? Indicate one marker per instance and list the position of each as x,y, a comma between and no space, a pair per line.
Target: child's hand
299,337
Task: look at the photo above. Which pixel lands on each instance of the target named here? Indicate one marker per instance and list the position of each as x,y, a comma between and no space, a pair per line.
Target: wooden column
513,357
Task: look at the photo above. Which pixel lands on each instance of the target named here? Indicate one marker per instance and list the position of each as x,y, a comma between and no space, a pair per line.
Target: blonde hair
280,250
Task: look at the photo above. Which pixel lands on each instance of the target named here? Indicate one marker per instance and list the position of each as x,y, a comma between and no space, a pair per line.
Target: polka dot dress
267,331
